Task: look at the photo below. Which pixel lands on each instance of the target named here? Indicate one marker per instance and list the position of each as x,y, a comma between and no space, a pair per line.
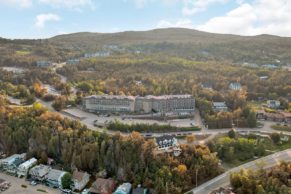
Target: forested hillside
174,41
132,158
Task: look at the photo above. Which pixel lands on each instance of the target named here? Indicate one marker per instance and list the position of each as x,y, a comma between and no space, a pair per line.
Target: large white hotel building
147,104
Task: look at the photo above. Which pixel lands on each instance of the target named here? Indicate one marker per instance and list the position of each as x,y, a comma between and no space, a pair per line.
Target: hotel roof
110,97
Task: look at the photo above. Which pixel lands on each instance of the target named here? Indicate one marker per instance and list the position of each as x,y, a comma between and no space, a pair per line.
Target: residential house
140,190
222,190
97,54
287,117
125,188
80,179
219,106
235,86
39,172
54,178
43,63
73,61
273,104
24,167
270,66
264,77
10,164
103,186
207,86
261,115
166,141
276,117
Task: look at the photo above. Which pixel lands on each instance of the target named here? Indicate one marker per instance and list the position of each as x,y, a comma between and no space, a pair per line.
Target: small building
207,86
285,138
103,186
222,190
177,151
287,117
54,178
166,141
140,190
273,104
235,86
276,117
10,164
264,77
24,167
125,188
270,66
97,54
73,61
43,63
261,115
219,106
39,172
80,180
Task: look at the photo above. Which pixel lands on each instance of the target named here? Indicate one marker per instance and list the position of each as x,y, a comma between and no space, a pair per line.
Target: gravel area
16,188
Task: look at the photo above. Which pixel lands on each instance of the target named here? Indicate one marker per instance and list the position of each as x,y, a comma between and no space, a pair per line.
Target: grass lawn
270,148
22,52
255,105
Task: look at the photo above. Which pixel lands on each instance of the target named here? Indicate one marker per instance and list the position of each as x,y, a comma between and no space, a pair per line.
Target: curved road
223,179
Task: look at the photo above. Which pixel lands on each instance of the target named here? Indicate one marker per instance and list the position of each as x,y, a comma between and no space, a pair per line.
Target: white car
33,183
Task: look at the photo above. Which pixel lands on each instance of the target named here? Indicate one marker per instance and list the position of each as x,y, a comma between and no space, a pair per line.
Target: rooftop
79,175
125,188
163,97
55,174
28,163
103,186
40,170
219,104
110,97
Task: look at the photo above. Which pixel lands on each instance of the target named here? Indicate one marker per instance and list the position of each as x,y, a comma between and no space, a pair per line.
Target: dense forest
158,75
126,158
274,180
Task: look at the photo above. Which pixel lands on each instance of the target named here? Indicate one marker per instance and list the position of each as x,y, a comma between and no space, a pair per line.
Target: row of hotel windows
110,102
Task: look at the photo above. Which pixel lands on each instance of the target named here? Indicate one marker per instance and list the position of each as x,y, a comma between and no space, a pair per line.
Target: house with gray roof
125,188
54,178
80,179
11,163
40,172
24,167
219,106
235,86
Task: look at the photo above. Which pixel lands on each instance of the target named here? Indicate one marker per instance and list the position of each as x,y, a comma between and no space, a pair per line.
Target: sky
47,18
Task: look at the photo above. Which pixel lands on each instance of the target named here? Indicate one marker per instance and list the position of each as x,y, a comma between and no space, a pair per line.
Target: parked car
33,183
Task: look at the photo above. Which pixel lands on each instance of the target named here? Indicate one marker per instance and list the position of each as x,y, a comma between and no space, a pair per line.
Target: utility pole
196,177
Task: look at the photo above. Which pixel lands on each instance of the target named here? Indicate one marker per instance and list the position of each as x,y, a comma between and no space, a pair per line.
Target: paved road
223,179
16,188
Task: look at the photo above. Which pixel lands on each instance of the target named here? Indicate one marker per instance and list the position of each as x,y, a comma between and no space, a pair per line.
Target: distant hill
262,48
189,43
172,35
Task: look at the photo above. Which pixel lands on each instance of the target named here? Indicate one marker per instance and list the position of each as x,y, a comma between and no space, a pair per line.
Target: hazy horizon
34,19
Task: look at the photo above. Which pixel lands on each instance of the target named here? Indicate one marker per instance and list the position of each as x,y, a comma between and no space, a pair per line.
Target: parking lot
16,186
89,119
